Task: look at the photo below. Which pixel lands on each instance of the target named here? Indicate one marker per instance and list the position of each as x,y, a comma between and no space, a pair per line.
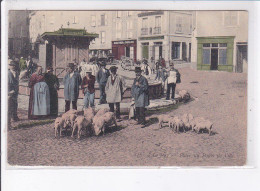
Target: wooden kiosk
64,46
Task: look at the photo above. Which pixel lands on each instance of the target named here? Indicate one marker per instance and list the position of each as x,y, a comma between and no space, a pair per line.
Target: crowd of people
43,100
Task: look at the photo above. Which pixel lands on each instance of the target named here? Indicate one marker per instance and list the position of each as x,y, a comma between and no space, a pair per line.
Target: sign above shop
124,42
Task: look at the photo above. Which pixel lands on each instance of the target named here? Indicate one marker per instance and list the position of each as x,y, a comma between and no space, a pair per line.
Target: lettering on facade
124,42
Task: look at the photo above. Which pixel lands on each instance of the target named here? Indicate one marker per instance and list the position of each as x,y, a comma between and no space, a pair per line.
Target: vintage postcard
127,88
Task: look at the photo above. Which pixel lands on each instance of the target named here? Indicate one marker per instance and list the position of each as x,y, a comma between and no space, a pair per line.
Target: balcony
157,30
144,31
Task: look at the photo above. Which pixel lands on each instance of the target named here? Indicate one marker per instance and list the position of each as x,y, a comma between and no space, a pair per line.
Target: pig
69,119
80,123
194,121
89,113
176,123
206,124
73,111
163,119
100,113
58,125
187,118
103,121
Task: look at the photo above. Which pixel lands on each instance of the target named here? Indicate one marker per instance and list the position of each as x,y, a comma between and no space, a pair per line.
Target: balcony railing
144,31
157,30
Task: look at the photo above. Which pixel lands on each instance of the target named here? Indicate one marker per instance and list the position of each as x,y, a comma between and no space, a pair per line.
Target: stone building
18,34
124,35
220,40
165,34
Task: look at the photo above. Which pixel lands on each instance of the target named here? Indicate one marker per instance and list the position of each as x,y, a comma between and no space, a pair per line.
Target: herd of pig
91,121
185,123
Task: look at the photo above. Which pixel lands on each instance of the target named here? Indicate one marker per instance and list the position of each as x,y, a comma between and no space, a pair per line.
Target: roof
69,32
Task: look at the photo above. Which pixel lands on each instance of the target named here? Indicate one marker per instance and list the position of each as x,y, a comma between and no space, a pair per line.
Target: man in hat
22,64
102,77
172,76
72,82
13,89
115,88
53,84
140,95
88,88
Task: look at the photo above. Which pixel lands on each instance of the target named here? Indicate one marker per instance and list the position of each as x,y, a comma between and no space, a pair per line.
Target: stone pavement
220,97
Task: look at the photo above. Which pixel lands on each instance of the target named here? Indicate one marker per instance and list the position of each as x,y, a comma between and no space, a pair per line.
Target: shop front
125,48
215,53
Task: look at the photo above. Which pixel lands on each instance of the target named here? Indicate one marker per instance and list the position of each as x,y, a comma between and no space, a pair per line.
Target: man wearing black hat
140,95
53,84
102,77
72,82
13,89
115,88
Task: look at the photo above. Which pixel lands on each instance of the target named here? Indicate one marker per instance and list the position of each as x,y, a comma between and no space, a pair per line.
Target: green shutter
145,52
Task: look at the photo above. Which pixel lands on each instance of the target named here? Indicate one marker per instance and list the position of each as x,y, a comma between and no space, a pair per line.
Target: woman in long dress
39,101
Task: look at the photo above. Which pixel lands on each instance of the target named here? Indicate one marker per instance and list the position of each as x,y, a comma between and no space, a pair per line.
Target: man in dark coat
13,89
140,95
72,82
53,84
102,76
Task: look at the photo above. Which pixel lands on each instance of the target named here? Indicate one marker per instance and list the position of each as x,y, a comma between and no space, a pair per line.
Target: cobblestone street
218,96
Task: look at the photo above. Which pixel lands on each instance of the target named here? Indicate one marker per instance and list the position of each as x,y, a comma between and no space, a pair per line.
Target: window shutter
106,20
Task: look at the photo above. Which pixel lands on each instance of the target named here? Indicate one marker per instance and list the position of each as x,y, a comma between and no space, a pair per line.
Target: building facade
220,40
124,35
18,34
99,22
165,34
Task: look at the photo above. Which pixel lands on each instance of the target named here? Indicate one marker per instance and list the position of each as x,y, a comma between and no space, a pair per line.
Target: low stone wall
155,91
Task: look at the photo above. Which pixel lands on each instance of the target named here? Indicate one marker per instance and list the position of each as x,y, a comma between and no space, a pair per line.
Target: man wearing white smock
115,88
171,82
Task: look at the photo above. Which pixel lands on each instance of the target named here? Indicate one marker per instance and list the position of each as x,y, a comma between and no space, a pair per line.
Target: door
156,53
145,52
214,59
127,51
115,52
189,52
175,50
184,51
49,55
241,57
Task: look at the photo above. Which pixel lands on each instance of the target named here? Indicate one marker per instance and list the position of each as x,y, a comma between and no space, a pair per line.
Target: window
52,20
93,20
206,56
144,29
118,14
145,23
178,24
157,29
222,56
230,18
103,20
75,20
129,27
10,25
103,37
129,13
118,29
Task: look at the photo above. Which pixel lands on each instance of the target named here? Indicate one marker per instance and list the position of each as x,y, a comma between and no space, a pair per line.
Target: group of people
43,100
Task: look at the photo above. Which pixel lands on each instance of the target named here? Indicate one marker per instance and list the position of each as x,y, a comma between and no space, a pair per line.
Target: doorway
127,51
241,58
214,59
189,52
49,55
145,51
184,51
